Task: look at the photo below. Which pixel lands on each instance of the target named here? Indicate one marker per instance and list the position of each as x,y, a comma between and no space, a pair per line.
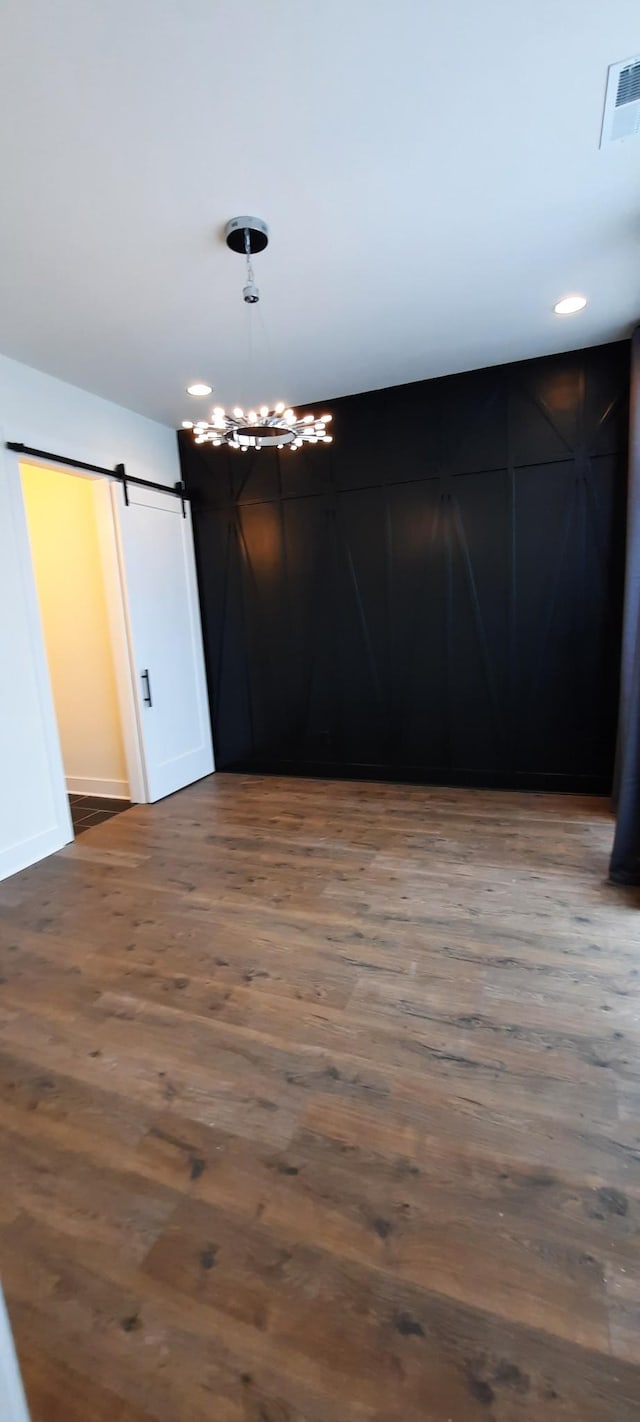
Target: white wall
67,564
13,1405
39,411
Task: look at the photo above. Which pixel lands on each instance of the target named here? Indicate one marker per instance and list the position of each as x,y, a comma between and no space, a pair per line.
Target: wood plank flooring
319,1102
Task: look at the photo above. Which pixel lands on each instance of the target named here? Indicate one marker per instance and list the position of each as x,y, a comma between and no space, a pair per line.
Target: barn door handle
147,696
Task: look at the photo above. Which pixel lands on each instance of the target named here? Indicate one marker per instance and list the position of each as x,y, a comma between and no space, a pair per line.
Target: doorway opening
142,545
65,515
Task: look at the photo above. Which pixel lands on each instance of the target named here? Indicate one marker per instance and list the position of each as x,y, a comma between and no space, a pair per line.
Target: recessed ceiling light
199,388
569,305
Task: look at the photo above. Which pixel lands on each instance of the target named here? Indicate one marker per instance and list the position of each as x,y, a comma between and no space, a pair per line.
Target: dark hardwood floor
320,1103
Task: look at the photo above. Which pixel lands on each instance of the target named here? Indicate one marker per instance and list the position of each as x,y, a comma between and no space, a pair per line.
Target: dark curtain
625,859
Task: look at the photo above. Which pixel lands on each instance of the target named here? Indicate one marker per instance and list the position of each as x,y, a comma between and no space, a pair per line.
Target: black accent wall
436,595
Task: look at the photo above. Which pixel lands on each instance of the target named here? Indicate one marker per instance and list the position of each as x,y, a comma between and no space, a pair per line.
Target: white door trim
118,614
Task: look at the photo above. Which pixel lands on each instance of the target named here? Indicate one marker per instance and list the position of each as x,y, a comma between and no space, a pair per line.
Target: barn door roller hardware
119,473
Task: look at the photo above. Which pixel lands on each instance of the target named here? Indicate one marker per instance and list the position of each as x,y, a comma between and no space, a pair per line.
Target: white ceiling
430,171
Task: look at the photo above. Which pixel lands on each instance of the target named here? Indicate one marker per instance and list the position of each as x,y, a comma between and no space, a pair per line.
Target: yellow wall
63,531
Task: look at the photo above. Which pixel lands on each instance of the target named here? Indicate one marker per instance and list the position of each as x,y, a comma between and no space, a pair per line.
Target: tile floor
88,810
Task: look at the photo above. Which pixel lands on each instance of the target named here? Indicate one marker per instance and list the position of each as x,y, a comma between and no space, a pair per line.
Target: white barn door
157,567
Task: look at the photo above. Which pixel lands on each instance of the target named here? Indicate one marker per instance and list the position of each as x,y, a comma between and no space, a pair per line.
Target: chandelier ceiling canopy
267,427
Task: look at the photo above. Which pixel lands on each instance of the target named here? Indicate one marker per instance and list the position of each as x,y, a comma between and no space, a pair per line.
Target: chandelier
267,427
261,429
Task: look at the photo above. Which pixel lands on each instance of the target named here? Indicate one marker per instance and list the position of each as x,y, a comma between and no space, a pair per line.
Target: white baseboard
29,851
82,785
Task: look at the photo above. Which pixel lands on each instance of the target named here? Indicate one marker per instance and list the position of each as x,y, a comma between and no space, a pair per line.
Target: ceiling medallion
276,427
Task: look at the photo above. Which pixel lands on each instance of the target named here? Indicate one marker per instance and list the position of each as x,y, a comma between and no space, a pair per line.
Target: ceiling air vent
622,103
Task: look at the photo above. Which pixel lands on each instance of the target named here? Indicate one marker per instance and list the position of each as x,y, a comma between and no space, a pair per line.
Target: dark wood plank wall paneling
436,596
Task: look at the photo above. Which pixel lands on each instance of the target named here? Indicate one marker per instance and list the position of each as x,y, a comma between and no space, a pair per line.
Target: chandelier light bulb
238,413
280,408
187,424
